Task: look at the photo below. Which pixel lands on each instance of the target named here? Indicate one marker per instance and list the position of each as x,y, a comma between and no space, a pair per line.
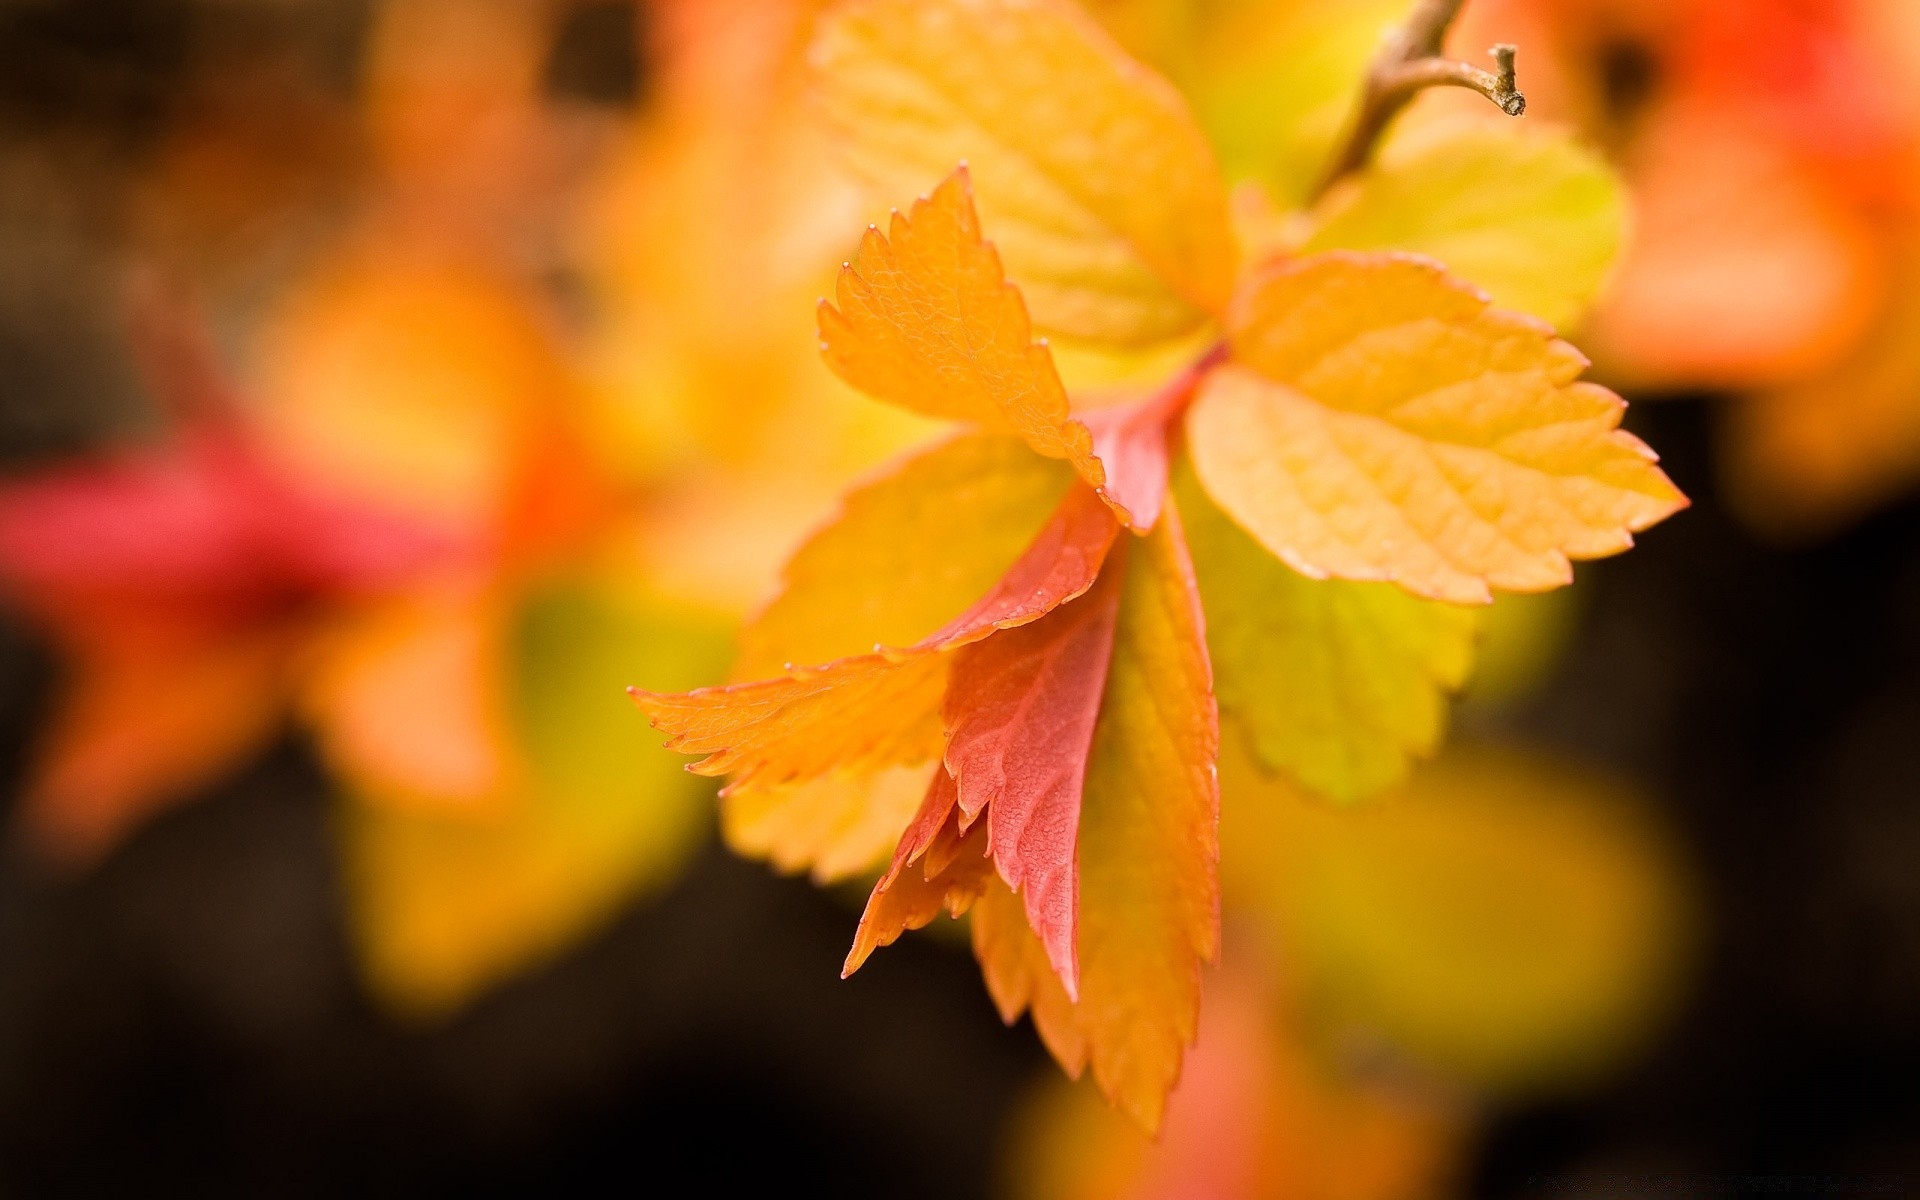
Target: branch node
1409,62
1507,90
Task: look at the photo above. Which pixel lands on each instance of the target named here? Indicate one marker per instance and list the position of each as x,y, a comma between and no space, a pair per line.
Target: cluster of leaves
1002,658
400,534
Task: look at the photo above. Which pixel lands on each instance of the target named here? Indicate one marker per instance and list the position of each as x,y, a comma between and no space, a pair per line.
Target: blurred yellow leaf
444,906
1508,921
1275,82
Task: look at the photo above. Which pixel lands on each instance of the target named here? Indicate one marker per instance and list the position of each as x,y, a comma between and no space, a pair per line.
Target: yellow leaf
1381,421
443,906
1338,684
1508,921
1523,211
905,553
1063,131
1148,847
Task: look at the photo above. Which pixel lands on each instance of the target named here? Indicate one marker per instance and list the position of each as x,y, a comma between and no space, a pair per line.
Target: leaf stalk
1409,62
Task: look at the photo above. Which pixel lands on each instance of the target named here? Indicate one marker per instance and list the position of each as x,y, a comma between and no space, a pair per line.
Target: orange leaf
1381,421
410,700
1807,457
1149,851
953,872
928,321
136,732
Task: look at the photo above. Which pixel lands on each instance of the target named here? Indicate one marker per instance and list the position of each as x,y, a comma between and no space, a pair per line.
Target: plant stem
1409,62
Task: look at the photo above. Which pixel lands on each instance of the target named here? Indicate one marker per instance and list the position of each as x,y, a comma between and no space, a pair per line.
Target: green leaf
1338,684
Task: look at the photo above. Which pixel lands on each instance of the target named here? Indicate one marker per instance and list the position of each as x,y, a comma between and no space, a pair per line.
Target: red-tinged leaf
1149,853
877,709
936,867
1020,712
208,526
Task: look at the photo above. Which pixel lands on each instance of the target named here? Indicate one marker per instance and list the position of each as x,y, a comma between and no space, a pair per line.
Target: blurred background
384,385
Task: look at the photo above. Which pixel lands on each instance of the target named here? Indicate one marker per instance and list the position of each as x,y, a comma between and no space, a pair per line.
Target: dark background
186,1019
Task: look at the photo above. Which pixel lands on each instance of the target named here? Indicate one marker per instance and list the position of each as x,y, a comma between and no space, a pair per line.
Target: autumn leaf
937,867
1149,904
444,903
1806,457
135,732
926,320
412,378
1730,222
1366,666
890,568
1526,213
1381,421
1060,128
1366,416
1019,712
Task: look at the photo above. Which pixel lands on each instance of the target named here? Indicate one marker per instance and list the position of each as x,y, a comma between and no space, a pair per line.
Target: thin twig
1409,62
